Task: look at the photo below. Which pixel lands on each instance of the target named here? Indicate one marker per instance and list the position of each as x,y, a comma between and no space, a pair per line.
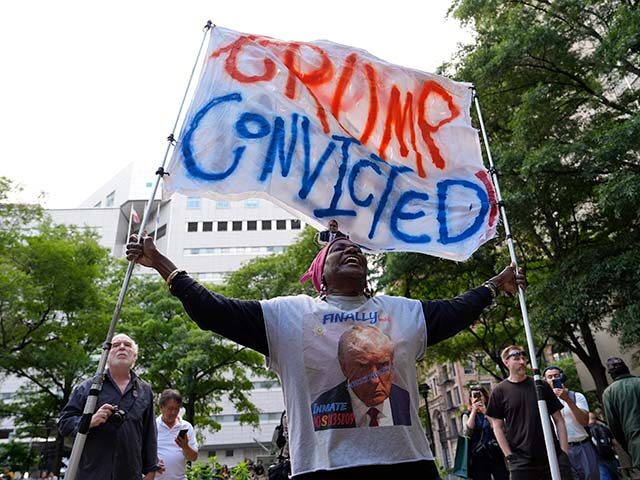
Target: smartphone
183,433
476,394
557,383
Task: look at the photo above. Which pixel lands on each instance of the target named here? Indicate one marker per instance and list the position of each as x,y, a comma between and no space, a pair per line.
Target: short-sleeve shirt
304,334
516,404
575,431
169,451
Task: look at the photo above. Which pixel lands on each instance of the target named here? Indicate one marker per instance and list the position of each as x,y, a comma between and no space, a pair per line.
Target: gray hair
170,394
363,339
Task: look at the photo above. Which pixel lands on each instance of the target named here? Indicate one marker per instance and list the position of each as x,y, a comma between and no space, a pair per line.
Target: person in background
329,235
486,461
513,411
121,443
621,402
603,441
176,438
575,411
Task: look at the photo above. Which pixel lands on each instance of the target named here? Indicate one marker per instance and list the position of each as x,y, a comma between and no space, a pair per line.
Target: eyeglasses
517,355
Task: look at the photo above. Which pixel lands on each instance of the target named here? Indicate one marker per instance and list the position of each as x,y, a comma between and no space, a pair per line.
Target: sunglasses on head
517,354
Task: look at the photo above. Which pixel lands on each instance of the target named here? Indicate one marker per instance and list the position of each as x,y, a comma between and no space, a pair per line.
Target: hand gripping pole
96,387
542,404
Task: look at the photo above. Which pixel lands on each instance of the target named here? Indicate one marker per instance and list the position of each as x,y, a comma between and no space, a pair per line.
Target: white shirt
360,410
303,335
575,431
169,451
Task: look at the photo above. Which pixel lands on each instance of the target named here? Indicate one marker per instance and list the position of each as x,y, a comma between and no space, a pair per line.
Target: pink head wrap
316,269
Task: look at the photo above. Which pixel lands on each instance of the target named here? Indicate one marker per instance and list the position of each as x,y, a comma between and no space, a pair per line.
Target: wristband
492,288
173,275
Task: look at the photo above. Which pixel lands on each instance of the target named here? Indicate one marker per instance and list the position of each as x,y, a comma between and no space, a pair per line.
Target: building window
193,203
251,203
228,453
266,224
148,184
223,204
236,226
211,454
222,226
207,226
162,231
456,396
468,367
192,226
252,225
281,224
110,199
295,224
454,426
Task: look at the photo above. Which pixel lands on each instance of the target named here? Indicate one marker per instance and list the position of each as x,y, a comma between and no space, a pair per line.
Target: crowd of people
347,363
505,433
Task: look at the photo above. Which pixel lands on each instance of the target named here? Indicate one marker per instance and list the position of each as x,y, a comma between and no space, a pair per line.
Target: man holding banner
332,132
300,337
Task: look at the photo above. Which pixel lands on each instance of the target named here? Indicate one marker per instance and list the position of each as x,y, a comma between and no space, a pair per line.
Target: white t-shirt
575,431
324,433
169,451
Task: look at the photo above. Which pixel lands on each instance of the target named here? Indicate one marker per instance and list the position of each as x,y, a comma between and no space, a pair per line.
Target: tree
175,353
565,133
19,456
52,313
419,276
275,275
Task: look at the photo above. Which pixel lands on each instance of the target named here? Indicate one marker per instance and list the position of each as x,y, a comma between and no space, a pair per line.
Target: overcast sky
88,87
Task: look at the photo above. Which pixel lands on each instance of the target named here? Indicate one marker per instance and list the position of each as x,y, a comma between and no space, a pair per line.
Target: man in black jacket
121,443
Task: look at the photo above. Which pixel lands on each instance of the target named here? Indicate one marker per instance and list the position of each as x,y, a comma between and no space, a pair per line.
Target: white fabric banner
331,132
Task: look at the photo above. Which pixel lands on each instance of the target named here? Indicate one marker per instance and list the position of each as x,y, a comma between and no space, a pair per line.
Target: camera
118,416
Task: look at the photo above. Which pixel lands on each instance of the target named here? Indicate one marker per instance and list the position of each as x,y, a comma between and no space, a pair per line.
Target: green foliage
565,133
424,277
274,275
19,456
212,470
53,311
175,353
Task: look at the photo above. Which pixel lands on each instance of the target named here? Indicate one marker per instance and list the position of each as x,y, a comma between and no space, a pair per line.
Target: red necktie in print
373,414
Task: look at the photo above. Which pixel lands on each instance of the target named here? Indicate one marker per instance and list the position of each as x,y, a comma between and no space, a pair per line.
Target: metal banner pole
96,387
542,404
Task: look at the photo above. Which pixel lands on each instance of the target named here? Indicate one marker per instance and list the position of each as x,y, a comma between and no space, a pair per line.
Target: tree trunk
594,364
57,459
189,411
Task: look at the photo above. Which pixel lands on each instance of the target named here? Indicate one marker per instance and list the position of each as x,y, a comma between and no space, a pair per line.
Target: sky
89,87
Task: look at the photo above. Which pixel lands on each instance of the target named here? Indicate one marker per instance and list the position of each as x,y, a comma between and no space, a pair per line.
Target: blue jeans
608,469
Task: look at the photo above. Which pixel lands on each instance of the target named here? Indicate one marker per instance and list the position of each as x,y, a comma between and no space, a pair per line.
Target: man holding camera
575,411
121,443
176,438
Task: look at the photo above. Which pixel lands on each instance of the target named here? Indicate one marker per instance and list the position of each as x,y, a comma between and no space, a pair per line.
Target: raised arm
241,321
445,318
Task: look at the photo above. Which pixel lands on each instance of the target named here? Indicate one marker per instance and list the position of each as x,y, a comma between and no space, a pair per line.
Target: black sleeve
495,407
445,318
241,321
149,435
72,411
553,404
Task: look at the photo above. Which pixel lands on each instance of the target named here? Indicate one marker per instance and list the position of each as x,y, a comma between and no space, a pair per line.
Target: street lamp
424,389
